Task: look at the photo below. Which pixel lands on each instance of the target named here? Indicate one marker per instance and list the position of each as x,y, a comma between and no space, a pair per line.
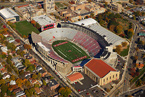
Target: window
107,78
104,80
116,75
110,77
113,76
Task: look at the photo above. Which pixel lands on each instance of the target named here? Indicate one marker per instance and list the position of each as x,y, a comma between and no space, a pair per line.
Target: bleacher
90,44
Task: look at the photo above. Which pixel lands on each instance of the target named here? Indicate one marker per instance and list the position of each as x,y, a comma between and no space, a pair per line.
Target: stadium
68,45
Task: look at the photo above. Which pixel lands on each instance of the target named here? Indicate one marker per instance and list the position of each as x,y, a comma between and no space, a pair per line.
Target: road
43,63
124,83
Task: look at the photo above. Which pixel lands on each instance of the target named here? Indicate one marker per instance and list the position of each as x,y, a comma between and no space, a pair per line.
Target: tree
124,44
20,52
111,28
130,1
4,88
37,26
65,91
8,93
26,46
101,22
19,82
118,49
92,15
137,49
3,55
11,46
38,76
44,82
119,29
9,57
27,84
130,33
33,22
2,81
27,93
9,68
34,76
30,68
26,62
13,77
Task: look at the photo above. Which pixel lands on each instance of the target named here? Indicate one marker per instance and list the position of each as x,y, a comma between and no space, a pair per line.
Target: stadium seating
90,44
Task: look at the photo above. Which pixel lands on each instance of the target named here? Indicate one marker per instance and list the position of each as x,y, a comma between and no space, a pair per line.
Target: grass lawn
123,23
69,51
25,28
59,4
125,52
136,78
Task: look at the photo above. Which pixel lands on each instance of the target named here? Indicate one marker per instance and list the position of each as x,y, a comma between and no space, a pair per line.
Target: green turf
125,52
69,51
25,28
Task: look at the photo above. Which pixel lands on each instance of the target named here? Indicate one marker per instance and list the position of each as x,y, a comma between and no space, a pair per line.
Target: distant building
4,49
100,72
116,6
75,77
49,6
9,15
53,84
45,22
29,11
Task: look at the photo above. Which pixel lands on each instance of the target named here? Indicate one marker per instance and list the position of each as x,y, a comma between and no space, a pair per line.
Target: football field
69,51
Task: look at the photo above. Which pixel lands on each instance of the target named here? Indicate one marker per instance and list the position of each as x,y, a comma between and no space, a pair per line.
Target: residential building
19,94
101,72
9,15
37,90
116,6
75,77
45,22
53,84
4,49
10,39
6,75
12,82
49,6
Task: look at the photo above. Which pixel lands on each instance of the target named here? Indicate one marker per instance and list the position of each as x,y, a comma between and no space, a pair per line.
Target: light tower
49,6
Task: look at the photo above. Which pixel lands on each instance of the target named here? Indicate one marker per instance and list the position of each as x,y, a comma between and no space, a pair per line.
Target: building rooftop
43,20
75,76
99,67
8,13
86,22
52,83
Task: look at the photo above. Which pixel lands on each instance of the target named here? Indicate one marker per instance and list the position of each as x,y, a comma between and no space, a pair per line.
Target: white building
45,22
49,6
4,49
9,15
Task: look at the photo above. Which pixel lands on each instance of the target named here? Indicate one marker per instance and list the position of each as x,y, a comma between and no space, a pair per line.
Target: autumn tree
34,76
124,44
119,29
65,91
44,82
2,81
111,28
33,22
26,46
118,49
13,77
19,82
130,33
27,84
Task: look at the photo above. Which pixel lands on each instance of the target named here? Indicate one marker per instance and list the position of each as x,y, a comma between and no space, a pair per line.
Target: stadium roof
8,13
86,22
43,20
94,25
75,76
99,67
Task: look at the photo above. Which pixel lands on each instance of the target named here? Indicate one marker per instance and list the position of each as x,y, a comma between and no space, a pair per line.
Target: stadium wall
59,66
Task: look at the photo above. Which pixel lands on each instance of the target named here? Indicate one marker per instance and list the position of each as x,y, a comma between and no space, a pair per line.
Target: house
27,75
4,49
47,79
3,71
139,66
43,73
6,75
100,72
75,77
17,90
10,39
37,90
38,68
19,94
141,18
12,82
16,42
33,81
33,61
53,84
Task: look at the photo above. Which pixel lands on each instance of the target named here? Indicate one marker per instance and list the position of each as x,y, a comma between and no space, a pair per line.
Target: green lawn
69,51
25,28
125,52
59,4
